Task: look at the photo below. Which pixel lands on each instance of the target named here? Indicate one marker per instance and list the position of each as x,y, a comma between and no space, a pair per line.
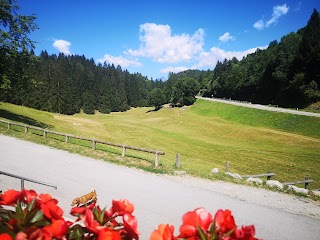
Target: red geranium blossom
108,234
122,206
224,221
164,232
76,211
40,218
51,210
131,225
192,220
245,233
91,224
44,198
36,234
10,197
28,195
5,236
57,229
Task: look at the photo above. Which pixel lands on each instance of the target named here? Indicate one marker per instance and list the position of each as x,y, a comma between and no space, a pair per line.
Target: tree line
287,74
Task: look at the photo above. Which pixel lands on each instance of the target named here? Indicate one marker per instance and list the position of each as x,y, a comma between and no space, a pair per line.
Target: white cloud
157,43
123,62
278,11
173,69
63,46
259,25
210,59
226,37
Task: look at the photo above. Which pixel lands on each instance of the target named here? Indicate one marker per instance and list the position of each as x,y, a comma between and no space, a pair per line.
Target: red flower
91,224
108,213
122,206
108,234
224,221
57,229
44,198
51,210
36,235
76,211
192,220
10,197
245,233
5,236
21,236
164,232
28,195
131,226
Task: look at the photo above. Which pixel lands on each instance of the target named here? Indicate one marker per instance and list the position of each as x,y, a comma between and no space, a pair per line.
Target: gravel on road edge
285,202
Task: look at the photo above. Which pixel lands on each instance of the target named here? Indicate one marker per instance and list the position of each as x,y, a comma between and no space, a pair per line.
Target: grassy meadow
206,135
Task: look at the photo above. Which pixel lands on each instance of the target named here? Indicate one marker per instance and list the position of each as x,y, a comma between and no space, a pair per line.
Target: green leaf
18,208
6,214
41,223
202,233
76,232
212,229
229,233
37,217
31,205
101,216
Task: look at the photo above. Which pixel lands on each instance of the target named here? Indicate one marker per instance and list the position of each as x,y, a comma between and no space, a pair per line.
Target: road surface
157,198
262,107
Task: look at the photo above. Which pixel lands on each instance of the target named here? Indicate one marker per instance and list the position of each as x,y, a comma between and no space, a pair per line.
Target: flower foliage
27,215
200,225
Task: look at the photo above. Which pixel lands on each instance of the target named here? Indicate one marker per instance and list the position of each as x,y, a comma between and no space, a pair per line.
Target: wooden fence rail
269,174
93,141
306,182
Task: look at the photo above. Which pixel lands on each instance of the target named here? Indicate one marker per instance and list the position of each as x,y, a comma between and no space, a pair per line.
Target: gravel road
262,107
157,198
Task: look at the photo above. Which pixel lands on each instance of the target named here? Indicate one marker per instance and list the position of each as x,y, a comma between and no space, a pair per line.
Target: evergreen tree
308,60
15,51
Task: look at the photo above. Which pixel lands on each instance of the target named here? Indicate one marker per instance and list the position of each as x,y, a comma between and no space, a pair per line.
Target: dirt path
157,198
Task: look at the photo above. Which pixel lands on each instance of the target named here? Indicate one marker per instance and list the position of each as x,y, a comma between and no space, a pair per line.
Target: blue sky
158,37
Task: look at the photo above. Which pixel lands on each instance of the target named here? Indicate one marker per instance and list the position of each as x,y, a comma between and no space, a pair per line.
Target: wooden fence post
178,160
156,161
94,142
123,151
306,183
227,166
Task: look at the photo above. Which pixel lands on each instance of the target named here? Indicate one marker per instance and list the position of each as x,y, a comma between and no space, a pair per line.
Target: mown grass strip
305,125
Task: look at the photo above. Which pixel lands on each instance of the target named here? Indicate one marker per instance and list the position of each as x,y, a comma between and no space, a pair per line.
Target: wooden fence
305,182
270,174
93,141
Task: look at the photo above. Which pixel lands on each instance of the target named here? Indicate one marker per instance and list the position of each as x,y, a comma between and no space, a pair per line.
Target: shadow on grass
23,119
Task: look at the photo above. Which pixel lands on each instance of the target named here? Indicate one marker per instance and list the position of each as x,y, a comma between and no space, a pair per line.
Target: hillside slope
206,135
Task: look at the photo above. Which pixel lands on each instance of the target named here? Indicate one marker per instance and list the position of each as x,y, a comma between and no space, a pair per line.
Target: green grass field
206,135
